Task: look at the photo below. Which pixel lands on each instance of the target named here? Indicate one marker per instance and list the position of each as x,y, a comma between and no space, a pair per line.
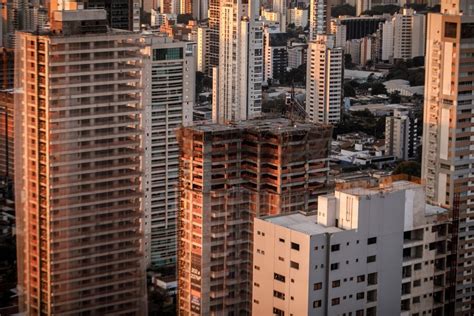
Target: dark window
416,283
360,295
335,301
317,286
282,240
372,240
371,259
372,278
316,304
334,266
417,266
295,246
335,247
294,265
450,29
467,30
278,312
279,277
360,312
168,53
361,278
336,283
279,295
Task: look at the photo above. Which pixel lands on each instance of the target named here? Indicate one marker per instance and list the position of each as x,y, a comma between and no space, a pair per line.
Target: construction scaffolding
228,175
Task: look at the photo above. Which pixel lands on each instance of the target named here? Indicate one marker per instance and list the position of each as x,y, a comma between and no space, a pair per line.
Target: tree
184,18
378,88
349,91
411,168
381,9
343,9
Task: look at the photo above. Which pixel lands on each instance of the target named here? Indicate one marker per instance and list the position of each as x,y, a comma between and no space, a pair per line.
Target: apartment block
324,80
169,94
370,249
319,18
275,55
229,175
78,168
409,34
401,135
121,14
239,82
6,134
447,135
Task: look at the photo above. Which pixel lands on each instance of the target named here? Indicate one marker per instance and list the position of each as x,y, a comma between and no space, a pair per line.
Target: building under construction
230,174
6,134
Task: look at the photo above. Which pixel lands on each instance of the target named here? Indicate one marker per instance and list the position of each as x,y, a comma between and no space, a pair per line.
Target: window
372,240
295,265
282,240
316,304
279,295
335,301
450,29
295,246
371,259
360,295
317,286
416,300
361,278
360,312
279,277
278,312
416,283
372,278
336,283
335,247
417,266
334,266
257,267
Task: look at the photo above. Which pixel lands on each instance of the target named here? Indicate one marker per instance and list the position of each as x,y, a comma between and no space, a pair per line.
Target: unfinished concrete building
229,175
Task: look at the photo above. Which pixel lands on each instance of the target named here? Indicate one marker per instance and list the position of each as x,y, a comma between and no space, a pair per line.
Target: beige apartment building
448,136
230,174
78,168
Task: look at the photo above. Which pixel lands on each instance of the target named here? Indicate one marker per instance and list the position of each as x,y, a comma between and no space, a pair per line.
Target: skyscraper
214,26
319,18
240,62
409,34
78,170
447,151
169,93
324,80
229,175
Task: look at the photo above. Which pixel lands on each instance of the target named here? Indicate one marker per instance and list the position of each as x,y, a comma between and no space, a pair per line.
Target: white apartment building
387,41
280,7
409,34
367,251
169,96
401,137
297,54
299,16
339,31
324,80
239,83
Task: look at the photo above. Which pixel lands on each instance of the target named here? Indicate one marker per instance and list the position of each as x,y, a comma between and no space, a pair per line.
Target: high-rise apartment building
324,80
6,134
368,251
275,55
78,168
319,18
169,93
229,175
339,31
409,34
240,62
203,42
447,153
214,27
401,135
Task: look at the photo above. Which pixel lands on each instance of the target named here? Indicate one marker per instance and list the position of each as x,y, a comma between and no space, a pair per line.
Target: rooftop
274,125
384,187
299,222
